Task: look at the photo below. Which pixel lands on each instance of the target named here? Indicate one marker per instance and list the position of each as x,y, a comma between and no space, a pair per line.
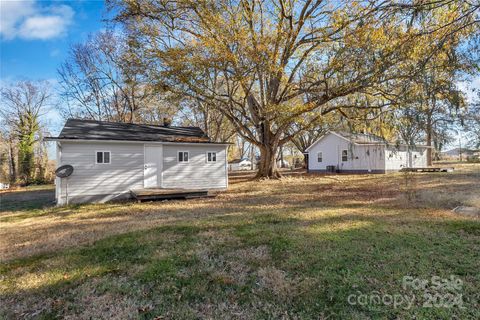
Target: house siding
400,157
361,158
100,182
197,173
92,182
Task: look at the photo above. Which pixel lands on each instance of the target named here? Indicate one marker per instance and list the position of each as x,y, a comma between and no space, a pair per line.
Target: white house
239,164
110,159
349,152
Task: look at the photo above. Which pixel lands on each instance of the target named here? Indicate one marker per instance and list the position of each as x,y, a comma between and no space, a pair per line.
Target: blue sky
36,35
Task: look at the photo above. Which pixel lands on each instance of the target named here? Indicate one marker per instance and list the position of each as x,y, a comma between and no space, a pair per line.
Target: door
152,171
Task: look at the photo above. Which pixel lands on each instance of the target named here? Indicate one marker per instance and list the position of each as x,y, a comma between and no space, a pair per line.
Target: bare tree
22,106
194,112
100,80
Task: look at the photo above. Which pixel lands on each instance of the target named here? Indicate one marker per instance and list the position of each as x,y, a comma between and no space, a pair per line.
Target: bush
473,159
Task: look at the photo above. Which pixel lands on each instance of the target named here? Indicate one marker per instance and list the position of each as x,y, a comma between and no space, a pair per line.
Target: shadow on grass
322,261
27,200
193,261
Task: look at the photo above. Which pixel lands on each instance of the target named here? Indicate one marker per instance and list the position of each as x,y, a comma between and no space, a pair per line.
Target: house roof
362,139
80,129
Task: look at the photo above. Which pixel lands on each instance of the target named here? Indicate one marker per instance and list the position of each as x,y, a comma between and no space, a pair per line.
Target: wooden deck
167,194
429,169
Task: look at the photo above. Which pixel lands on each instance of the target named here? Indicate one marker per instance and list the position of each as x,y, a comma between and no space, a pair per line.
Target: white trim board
143,142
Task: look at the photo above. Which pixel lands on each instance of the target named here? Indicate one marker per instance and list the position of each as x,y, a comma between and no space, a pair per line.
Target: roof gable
362,138
324,136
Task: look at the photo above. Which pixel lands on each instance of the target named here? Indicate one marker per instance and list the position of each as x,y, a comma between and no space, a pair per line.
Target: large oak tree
266,64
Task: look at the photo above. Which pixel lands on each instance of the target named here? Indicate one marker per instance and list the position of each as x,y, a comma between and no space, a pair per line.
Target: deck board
428,169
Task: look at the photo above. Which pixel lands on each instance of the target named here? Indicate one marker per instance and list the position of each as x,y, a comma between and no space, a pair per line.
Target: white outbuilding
239,165
110,160
362,153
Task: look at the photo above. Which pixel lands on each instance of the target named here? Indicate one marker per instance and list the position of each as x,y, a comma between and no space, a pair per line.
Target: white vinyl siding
346,156
197,173
92,181
398,158
89,178
359,157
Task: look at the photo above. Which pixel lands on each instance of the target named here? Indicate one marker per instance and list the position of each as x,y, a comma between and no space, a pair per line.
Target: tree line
276,74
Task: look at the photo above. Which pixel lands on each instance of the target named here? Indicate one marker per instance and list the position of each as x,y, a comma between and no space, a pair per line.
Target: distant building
456,152
283,164
351,152
239,164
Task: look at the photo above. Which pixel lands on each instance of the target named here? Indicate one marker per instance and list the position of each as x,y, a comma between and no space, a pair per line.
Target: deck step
168,194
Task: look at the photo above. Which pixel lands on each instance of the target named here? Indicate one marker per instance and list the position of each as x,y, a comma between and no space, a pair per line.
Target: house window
103,157
211,156
319,157
344,155
183,156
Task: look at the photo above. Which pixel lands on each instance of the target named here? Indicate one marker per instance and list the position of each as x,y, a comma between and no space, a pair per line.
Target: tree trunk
429,141
281,157
267,167
13,165
268,148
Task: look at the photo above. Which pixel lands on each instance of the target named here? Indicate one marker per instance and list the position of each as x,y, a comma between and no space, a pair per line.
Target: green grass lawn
294,248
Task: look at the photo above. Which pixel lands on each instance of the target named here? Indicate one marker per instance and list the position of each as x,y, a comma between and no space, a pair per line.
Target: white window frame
321,157
345,155
103,156
206,156
183,156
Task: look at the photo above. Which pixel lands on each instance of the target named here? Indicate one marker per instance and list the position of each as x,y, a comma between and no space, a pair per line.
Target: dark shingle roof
79,129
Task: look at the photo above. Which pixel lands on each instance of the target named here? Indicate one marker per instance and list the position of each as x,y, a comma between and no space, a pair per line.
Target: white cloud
29,20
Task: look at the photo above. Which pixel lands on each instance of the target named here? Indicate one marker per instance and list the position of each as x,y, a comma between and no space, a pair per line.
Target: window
103,157
344,155
211,156
319,157
183,156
